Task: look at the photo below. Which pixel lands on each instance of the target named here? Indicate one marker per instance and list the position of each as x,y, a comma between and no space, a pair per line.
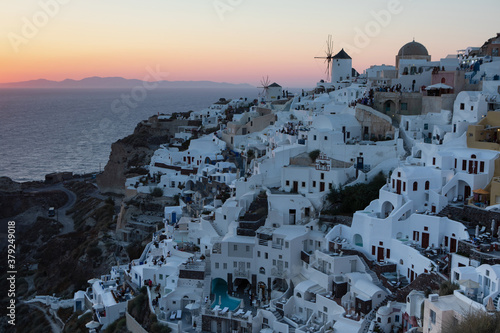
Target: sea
54,130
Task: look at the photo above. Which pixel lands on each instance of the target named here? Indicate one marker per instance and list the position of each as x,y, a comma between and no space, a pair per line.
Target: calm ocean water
44,131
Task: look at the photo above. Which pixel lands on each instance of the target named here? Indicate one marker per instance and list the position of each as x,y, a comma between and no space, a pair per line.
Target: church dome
413,49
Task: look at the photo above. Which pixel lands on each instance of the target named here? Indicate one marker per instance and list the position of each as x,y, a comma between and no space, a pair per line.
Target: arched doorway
387,208
358,240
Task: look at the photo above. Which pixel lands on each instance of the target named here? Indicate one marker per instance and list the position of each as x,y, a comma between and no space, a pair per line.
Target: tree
474,322
349,199
447,288
314,155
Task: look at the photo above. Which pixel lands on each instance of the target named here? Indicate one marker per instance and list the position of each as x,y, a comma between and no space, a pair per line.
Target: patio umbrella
192,306
92,324
438,86
468,283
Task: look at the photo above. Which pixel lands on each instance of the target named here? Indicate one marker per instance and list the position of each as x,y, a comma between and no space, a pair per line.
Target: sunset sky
236,41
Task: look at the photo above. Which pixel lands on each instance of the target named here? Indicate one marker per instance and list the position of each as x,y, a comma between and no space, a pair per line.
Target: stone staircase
279,318
219,232
373,275
371,315
495,301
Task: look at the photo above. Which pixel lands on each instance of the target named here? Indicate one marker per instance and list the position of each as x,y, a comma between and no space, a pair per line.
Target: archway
358,240
387,208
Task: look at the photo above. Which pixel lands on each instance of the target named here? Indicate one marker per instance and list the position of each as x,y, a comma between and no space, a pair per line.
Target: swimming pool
219,289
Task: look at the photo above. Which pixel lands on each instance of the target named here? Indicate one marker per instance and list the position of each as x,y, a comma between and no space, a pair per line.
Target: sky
237,41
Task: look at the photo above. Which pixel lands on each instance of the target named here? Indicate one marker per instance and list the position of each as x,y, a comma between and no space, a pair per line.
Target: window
314,183
433,317
325,309
379,320
433,161
415,186
161,276
404,106
274,262
388,253
287,183
225,217
322,176
217,265
464,165
248,265
235,264
389,320
481,166
472,107
303,184
286,264
314,137
427,184
455,163
396,318
287,245
258,254
266,255
373,250
426,127
235,247
326,138
462,106
224,265
404,186
248,248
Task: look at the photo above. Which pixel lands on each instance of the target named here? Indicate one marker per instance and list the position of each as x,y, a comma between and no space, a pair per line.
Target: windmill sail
329,56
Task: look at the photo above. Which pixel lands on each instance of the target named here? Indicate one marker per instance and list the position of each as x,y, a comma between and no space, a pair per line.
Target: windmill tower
270,92
328,58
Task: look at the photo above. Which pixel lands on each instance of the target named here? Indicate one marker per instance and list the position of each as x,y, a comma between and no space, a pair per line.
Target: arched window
472,156
262,270
415,186
443,80
427,185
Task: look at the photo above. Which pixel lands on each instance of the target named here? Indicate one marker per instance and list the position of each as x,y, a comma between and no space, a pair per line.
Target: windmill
329,56
265,86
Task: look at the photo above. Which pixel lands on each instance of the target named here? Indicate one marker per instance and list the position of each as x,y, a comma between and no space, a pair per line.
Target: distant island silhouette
118,82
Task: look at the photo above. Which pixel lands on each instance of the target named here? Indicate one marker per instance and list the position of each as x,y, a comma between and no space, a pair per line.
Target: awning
480,191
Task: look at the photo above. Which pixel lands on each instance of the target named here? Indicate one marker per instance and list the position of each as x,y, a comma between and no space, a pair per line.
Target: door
425,240
295,186
321,186
466,192
398,186
291,216
412,276
453,245
380,254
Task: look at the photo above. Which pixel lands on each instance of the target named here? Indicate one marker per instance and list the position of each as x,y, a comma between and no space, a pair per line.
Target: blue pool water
219,289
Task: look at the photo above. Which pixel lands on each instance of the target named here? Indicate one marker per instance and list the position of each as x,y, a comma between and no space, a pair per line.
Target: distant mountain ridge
118,82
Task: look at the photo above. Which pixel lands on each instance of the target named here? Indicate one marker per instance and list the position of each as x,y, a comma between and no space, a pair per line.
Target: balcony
277,246
242,274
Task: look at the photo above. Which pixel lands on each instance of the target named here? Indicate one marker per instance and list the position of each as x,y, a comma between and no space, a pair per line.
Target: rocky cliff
129,155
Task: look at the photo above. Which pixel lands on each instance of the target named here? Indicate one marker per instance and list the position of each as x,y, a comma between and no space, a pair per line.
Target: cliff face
129,155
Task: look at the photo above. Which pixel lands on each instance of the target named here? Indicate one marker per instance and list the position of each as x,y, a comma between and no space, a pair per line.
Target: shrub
314,155
157,192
